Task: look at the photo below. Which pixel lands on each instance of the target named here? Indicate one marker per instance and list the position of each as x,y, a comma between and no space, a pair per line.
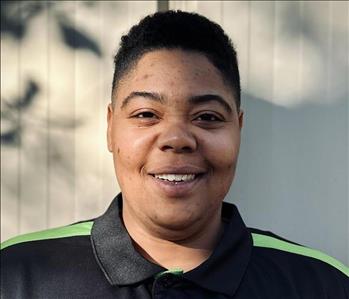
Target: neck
187,250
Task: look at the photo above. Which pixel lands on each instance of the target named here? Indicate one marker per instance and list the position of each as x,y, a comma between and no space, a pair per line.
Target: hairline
133,63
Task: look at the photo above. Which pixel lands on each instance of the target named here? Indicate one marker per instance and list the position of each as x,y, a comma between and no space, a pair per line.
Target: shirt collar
223,271
114,251
122,265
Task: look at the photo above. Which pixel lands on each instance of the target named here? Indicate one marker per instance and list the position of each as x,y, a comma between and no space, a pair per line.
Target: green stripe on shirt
79,229
260,240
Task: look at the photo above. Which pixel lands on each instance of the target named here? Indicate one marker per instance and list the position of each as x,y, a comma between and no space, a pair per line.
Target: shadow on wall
56,65
292,176
16,17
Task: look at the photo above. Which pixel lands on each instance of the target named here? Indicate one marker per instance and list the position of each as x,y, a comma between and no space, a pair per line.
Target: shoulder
55,241
268,240
298,263
43,257
77,229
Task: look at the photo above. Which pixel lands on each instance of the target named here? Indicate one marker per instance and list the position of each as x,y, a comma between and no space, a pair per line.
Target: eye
208,117
145,118
145,114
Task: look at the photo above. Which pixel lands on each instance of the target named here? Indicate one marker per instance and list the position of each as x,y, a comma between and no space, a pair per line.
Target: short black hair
179,30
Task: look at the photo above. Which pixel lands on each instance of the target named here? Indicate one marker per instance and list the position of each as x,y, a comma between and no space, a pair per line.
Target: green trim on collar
260,240
173,271
79,229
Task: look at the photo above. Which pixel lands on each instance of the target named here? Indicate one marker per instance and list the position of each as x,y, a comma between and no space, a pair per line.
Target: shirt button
168,280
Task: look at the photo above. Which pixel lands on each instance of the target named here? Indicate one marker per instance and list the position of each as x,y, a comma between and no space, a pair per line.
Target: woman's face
174,132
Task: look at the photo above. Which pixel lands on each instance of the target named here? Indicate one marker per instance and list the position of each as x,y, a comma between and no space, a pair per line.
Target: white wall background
292,175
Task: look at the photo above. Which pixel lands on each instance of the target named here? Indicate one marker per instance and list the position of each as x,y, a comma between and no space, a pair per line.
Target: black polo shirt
96,259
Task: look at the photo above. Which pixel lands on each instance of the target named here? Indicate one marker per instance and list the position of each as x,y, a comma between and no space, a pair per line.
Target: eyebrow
198,99
148,95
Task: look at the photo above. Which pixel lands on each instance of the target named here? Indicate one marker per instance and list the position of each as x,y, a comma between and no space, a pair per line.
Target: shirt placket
163,283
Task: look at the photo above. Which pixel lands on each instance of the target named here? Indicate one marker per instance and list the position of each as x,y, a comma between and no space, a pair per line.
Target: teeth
175,177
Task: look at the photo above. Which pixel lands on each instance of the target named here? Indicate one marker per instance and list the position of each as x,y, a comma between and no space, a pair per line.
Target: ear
241,118
110,118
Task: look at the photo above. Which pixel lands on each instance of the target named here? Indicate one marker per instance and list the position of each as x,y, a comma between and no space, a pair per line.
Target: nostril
166,147
186,149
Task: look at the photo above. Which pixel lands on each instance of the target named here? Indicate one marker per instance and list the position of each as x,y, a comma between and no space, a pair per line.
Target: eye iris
209,117
146,115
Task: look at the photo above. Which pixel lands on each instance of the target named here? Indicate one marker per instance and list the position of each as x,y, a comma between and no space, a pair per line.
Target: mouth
177,181
177,178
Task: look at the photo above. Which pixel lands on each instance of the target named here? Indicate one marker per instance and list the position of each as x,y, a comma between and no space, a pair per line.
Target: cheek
131,149
222,151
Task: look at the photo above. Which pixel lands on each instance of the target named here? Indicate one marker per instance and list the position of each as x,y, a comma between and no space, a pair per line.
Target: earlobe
110,115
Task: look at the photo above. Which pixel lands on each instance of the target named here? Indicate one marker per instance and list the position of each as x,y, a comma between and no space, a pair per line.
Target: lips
173,177
177,181
179,169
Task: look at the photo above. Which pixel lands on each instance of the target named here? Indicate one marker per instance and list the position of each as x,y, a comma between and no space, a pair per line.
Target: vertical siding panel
210,9
336,93
289,66
261,49
347,135
100,114
257,147
62,121
112,28
339,50
20,126
88,102
48,25
74,114
139,9
324,40
10,86
190,6
293,128
340,37
235,21
33,172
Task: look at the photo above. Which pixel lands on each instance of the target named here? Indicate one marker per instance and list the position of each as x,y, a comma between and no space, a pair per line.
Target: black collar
122,265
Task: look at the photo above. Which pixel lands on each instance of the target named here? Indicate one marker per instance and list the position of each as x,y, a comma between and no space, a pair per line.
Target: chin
176,222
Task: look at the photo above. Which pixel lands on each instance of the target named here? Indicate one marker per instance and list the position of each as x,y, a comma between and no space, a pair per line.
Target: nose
177,138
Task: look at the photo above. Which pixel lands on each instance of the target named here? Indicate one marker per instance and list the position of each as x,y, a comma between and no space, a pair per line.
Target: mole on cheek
118,151
231,165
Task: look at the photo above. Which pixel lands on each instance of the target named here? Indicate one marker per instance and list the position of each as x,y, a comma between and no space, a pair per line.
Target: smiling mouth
176,178
179,184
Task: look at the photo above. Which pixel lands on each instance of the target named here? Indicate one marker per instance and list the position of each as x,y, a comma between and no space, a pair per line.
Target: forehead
176,60
175,73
